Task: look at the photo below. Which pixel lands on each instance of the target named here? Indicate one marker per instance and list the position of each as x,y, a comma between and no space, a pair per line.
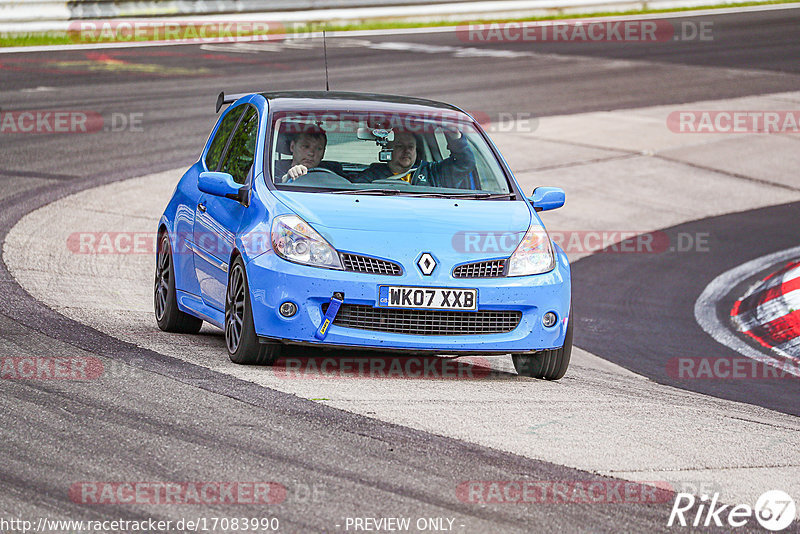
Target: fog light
288,309
549,319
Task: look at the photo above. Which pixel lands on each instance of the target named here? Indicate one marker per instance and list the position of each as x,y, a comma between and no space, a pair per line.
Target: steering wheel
330,177
323,169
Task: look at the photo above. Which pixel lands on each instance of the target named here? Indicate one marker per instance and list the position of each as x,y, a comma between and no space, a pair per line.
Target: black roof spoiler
223,99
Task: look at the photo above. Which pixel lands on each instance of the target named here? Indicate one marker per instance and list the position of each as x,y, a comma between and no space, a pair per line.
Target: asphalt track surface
184,422
644,301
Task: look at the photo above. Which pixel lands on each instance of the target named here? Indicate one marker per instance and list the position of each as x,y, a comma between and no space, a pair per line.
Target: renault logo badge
426,263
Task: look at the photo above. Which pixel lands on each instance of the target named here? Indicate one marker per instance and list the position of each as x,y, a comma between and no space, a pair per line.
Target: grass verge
65,38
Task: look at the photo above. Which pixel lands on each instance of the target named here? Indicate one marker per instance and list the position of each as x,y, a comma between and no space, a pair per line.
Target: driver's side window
221,137
242,149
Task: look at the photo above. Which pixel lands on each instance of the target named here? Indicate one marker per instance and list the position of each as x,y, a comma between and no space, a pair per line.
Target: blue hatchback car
348,220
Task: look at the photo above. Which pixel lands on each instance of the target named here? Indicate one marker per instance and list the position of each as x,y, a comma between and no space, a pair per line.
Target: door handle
202,207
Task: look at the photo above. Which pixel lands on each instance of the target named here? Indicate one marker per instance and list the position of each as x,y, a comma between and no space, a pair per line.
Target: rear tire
548,364
240,332
165,301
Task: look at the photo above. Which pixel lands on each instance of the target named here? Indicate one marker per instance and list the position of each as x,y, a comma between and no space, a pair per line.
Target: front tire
548,364
165,301
240,332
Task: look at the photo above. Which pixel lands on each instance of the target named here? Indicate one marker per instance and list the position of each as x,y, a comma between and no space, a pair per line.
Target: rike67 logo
775,510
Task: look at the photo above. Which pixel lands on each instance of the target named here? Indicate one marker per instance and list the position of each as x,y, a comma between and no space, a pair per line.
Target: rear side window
221,138
242,149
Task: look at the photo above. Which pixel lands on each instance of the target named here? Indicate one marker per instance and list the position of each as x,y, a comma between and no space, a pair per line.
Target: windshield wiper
368,192
482,195
436,195
476,195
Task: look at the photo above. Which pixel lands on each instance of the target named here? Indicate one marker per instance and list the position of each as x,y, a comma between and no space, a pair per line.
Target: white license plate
431,298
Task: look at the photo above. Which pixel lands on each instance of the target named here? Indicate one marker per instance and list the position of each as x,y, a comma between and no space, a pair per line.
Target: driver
452,172
308,149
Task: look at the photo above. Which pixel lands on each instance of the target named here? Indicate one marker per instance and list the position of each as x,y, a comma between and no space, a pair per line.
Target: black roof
280,100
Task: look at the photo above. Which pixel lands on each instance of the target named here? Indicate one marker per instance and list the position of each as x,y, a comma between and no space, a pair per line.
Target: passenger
307,149
452,172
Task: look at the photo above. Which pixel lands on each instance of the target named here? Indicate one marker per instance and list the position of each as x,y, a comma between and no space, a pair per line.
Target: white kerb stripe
705,309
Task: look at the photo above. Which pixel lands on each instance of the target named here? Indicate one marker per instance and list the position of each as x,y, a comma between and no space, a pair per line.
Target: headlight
534,255
293,239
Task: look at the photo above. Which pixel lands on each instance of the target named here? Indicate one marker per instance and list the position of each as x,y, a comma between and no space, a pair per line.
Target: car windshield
417,154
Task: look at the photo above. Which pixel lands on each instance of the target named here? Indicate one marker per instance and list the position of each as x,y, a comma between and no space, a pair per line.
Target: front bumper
274,281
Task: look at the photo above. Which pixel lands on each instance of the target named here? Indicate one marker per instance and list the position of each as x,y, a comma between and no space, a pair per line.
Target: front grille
481,269
425,322
365,264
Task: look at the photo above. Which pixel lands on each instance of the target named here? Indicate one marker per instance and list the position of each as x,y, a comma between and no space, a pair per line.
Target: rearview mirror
375,134
547,198
219,184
